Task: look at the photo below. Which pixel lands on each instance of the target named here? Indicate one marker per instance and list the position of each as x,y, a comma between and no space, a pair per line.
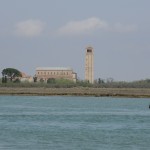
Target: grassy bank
76,91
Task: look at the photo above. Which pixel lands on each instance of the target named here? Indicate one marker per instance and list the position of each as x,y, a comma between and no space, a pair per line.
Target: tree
41,80
84,83
100,81
35,78
11,73
110,80
51,81
4,79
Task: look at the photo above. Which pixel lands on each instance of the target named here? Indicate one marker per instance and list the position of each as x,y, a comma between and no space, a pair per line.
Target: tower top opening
89,49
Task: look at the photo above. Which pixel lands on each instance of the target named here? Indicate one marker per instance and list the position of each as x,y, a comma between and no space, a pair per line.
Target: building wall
56,73
26,79
89,65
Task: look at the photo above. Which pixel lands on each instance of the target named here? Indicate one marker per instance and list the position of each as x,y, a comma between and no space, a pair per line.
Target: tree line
10,74
10,78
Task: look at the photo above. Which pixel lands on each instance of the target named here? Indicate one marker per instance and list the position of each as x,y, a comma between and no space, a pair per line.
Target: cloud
93,24
81,27
33,28
29,28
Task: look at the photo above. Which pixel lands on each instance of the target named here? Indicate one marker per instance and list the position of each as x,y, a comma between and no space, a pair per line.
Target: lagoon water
74,123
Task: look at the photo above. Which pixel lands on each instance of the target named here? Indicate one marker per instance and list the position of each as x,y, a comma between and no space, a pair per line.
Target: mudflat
77,91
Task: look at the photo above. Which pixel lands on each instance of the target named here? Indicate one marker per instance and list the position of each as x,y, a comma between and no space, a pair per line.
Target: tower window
89,50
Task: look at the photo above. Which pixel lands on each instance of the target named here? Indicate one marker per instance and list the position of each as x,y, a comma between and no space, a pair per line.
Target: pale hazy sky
55,33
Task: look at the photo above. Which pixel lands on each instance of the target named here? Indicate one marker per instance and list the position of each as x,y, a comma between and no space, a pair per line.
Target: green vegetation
51,81
63,83
122,84
35,79
10,79
10,73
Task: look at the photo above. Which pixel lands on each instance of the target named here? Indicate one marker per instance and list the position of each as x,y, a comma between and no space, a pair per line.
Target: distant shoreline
77,91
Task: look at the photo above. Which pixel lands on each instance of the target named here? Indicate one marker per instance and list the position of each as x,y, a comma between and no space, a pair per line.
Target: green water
74,123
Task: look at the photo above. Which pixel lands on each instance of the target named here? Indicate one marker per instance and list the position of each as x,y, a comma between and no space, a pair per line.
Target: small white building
25,78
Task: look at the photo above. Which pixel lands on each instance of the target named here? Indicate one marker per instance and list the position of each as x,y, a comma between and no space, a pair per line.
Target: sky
55,33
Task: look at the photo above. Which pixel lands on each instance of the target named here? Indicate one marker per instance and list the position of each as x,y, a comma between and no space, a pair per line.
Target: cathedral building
46,73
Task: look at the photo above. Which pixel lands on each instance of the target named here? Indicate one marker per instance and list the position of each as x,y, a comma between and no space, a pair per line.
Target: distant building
44,73
89,65
25,78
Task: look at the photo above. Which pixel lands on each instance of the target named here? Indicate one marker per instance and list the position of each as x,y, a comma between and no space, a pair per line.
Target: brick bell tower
89,64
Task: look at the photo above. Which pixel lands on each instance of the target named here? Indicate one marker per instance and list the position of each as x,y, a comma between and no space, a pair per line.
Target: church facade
46,73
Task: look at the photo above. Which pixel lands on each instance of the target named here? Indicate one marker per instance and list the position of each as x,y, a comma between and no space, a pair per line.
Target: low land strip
77,91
